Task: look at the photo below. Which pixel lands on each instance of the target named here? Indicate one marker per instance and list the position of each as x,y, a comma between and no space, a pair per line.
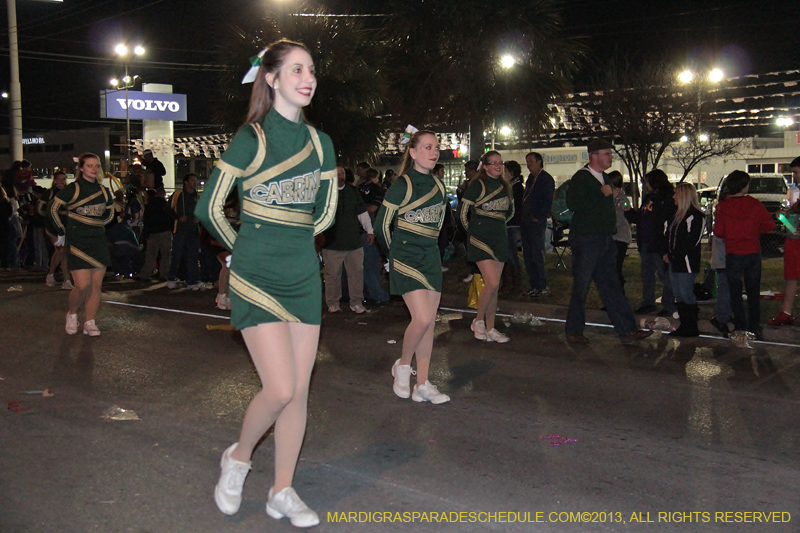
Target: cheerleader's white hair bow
410,130
255,64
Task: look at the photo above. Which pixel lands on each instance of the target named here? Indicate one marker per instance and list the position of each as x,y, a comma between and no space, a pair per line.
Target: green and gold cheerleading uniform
89,208
489,208
417,200
285,173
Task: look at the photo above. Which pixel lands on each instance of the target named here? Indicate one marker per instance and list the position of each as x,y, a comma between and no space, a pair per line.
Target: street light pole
127,121
122,51
15,89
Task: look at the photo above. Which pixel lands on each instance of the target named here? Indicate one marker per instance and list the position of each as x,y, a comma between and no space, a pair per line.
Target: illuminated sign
141,105
33,140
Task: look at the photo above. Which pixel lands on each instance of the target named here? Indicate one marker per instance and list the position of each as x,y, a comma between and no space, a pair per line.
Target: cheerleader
486,206
416,201
89,208
284,171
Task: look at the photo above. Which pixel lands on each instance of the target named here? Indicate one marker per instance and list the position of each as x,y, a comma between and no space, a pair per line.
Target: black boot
691,327
688,316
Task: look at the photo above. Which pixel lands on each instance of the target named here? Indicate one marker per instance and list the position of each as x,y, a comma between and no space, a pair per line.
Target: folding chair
560,244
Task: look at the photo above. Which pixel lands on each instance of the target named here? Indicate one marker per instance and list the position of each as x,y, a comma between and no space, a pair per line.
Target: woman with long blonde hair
486,206
684,232
416,200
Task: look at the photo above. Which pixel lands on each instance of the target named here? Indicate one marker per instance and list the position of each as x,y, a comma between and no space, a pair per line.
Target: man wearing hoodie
740,220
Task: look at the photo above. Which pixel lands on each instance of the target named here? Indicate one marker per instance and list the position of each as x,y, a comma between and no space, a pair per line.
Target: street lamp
507,61
127,83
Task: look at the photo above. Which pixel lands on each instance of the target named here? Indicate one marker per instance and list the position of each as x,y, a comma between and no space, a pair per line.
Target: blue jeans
683,286
749,268
723,307
513,245
652,264
185,245
594,257
373,288
532,234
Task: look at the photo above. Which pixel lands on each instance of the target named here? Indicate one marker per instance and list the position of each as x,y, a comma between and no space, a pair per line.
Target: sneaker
545,292
533,293
467,279
445,269
228,492
783,319
402,379
50,281
495,336
288,503
196,286
67,285
223,302
72,324
479,328
334,309
358,309
427,392
172,284
90,328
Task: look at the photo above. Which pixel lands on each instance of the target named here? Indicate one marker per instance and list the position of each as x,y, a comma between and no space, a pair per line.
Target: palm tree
348,103
446,71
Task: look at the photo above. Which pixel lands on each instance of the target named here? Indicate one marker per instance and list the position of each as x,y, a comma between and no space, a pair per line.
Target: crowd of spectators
158,238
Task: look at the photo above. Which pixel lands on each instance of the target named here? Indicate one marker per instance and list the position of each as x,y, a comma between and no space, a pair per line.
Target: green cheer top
484,210
89,207
285,173
417,202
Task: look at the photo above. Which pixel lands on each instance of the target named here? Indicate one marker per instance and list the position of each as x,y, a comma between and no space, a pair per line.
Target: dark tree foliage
445,71
348,102
646,112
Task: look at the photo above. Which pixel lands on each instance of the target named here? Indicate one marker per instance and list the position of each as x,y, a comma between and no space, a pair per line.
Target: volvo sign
141,105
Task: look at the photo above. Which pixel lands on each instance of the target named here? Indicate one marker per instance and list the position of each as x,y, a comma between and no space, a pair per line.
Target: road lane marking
165,309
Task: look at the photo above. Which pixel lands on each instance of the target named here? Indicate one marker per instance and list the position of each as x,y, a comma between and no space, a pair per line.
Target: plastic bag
475,288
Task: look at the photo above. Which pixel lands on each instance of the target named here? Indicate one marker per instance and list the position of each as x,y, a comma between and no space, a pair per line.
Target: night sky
67,49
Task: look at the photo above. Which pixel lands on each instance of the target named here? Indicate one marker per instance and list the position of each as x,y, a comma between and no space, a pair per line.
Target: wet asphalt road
663,426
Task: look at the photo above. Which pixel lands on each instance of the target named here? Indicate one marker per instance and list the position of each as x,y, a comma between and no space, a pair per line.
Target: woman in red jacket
740,220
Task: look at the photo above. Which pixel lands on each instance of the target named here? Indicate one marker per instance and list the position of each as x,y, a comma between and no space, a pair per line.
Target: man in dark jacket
155,166
157,233
536,205
594,254
185,234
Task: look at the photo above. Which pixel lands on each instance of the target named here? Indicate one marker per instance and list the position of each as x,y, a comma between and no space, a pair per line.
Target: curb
782,334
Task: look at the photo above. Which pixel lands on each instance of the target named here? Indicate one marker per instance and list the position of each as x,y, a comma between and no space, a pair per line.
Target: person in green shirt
415,203
284,172
486,206
343,247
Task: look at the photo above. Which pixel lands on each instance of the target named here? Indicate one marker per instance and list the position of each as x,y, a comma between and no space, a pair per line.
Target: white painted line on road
179,311
610,326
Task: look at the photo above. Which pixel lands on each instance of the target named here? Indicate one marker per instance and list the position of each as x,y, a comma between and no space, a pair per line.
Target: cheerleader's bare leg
487,301
283,354
418,338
